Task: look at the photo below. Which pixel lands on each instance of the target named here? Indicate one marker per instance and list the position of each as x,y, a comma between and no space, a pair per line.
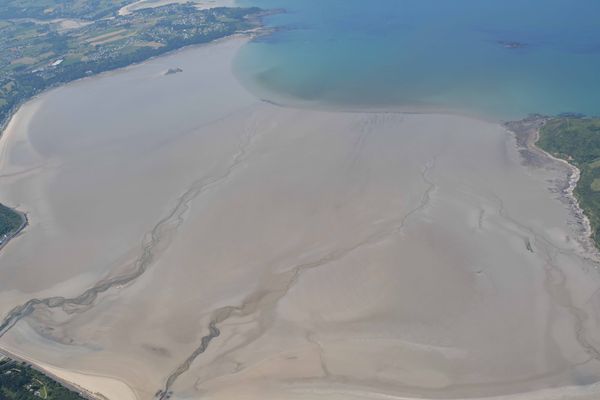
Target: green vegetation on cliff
577,140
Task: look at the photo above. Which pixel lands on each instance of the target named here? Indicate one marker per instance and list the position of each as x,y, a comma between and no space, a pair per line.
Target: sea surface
499,58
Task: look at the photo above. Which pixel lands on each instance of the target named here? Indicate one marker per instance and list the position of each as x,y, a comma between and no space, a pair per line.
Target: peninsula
577,140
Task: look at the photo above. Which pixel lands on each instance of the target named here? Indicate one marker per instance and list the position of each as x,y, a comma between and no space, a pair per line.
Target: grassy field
577,140
50,9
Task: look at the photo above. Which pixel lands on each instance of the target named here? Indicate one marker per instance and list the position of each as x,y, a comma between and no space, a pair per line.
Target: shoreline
23,215
250,33
70,385
527,135
202,5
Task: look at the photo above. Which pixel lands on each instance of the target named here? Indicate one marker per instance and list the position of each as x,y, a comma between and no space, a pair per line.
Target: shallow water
443,54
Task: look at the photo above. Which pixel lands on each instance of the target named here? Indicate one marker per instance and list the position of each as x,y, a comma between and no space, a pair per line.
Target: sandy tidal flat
186,237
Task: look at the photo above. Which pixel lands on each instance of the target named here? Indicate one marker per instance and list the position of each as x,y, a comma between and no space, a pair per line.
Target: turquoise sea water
442,53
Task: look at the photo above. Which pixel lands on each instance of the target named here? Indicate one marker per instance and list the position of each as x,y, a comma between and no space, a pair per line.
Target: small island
511,44
173,71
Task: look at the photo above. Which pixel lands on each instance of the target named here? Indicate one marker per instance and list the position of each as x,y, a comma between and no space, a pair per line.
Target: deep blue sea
498,58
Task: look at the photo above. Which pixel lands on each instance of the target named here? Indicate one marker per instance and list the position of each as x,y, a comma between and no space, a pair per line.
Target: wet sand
186,238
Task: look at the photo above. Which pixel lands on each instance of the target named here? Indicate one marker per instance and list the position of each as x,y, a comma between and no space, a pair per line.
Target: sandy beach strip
200,4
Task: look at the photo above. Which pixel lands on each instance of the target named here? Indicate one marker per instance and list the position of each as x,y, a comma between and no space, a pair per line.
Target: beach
200,4
190,240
